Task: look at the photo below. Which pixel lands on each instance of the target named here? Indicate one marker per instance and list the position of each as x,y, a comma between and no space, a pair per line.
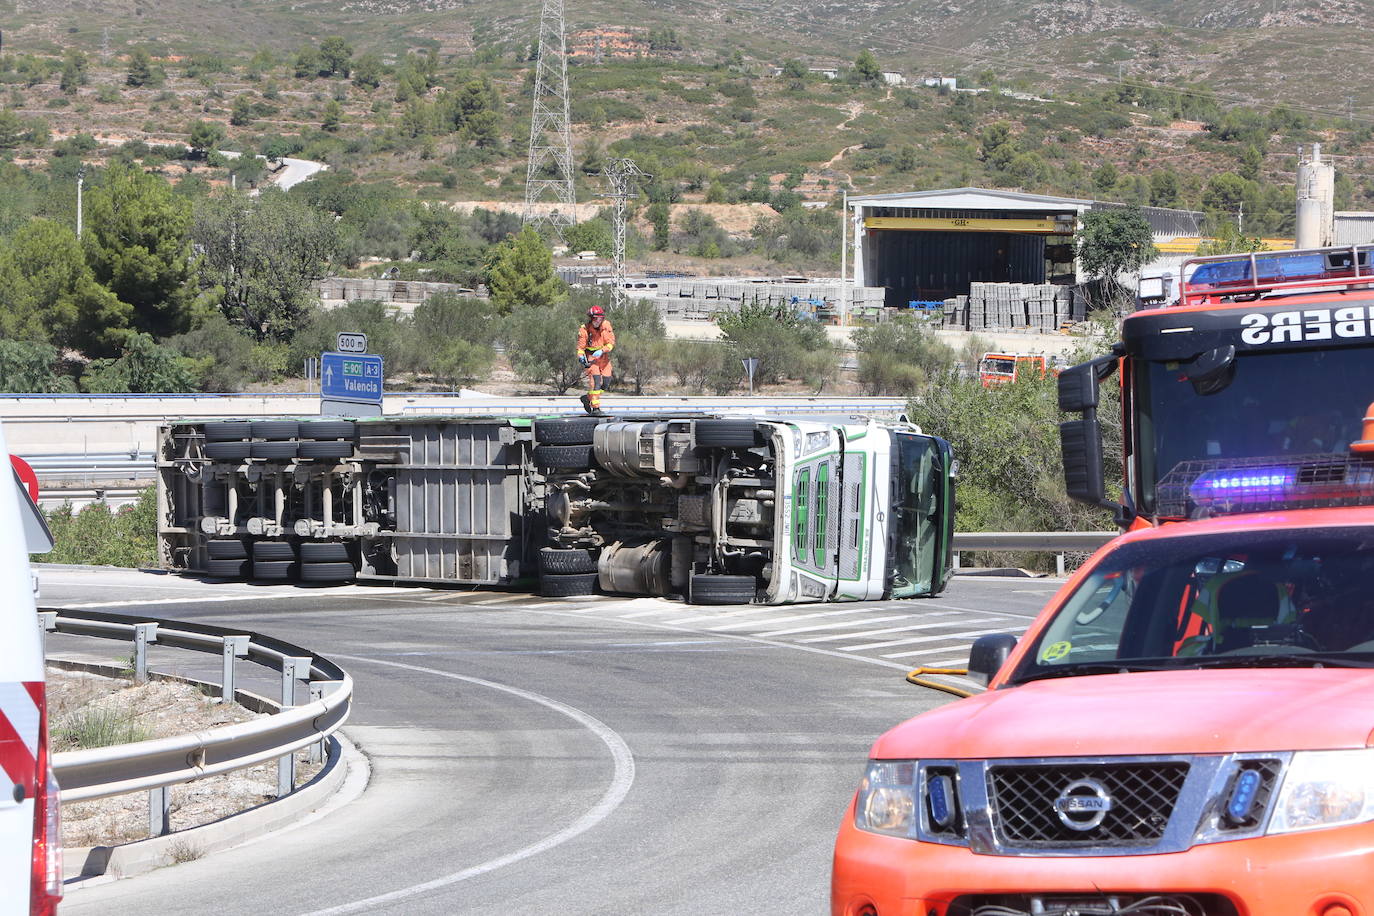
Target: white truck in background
714,509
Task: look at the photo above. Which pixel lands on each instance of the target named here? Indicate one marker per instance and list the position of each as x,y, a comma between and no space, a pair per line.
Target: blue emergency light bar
1226,487
1210,279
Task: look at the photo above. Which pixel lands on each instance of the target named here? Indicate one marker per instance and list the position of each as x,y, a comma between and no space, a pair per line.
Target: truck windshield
1277,405
917,512
1293,597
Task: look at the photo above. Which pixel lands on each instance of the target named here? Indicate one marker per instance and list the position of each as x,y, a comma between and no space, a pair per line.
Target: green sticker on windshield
1055,651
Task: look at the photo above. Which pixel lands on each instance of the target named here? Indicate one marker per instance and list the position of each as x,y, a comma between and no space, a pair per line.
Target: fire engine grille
1126,804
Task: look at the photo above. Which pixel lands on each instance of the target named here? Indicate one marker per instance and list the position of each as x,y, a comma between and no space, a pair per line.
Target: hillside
1191,104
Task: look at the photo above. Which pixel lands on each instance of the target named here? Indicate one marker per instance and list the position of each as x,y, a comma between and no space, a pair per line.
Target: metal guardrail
1042,541
156,764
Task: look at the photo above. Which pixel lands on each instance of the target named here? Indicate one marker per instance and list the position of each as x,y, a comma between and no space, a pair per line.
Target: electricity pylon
549,175
620,175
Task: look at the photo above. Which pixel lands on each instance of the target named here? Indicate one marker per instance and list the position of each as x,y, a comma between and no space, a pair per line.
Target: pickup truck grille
1084,804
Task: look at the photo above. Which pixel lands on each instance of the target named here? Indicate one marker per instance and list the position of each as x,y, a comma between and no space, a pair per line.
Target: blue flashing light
1242,484
1242,798
941,812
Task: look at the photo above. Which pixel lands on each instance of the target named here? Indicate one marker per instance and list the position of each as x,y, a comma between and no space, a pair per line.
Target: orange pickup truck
1187,728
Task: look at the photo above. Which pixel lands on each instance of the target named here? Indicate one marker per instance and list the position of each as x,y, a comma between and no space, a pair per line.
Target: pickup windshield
1277,405
1290,598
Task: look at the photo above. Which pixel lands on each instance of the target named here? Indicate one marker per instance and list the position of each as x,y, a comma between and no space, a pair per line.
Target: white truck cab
30,842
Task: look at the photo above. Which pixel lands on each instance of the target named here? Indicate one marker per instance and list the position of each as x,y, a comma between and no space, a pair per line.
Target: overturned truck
713,509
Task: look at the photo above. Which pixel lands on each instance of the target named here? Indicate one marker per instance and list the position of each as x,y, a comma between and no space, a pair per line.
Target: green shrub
99,536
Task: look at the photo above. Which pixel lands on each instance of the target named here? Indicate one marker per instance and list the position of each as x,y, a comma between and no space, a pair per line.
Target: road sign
26,475
351,377
351,342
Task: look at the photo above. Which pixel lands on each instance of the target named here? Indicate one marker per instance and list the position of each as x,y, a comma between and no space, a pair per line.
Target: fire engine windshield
1252,444
1285,598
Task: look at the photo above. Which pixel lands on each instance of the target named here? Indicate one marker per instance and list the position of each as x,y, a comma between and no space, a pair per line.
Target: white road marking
967,633
204,599
834,626
769,623
902,629
621,779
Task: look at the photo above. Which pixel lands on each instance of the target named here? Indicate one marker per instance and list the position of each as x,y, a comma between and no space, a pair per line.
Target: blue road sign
351,377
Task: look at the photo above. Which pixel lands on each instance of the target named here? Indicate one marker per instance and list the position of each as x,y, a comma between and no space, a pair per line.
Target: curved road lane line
621,780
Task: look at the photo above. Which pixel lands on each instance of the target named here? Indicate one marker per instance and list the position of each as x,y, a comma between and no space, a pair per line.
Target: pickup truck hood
1168,712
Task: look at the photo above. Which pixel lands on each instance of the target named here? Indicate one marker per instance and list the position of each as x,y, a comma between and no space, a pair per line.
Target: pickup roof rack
1232,276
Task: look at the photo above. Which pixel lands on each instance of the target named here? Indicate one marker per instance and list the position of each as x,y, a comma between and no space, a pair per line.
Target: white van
30,836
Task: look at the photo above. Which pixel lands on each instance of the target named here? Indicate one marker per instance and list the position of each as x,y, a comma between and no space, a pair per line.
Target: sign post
751,365
350,384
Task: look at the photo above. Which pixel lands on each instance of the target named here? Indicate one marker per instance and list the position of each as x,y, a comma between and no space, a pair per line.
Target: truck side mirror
1078,388
988,655
1078,385
1080,441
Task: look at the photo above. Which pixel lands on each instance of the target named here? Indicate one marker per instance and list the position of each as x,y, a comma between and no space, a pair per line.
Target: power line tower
549,175
620,175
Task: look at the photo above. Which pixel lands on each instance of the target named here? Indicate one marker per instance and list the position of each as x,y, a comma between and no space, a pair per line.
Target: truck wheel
226,549
722,589
275,449
273,550
558,561
327,572
326,449
226,569
727,433
554,586
566,431
326,552
275,569
566,457
228,450
328,429
227,430
276,429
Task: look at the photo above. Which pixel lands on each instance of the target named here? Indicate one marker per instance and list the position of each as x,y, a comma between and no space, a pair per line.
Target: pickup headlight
887,798
1325,789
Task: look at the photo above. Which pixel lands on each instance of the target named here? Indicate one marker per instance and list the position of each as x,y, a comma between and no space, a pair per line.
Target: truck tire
226,549
727,433
227,430
326,449
566,430
275,429
562,562
226,569
228,450
275,449
328,429
327,572
566,457
273,550
556,586
324,552
275,569
706,589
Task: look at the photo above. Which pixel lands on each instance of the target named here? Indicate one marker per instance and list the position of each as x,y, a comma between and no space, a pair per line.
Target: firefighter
595,340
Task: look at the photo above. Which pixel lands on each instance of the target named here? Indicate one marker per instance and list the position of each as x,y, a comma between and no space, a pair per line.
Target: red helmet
596,311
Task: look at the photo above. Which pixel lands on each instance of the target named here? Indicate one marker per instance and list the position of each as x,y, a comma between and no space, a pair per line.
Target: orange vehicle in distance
1003,368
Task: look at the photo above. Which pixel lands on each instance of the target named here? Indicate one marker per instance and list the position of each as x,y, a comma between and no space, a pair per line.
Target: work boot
587,404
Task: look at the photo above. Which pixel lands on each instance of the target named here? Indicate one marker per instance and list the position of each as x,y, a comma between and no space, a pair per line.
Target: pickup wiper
1115,666
1284,660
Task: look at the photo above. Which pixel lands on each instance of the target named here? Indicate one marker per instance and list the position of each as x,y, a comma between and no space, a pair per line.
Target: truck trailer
713,509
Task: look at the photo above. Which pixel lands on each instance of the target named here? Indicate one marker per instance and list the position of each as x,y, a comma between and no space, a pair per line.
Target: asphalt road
585,756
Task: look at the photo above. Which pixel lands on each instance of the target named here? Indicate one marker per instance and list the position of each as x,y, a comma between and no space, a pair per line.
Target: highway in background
584,756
